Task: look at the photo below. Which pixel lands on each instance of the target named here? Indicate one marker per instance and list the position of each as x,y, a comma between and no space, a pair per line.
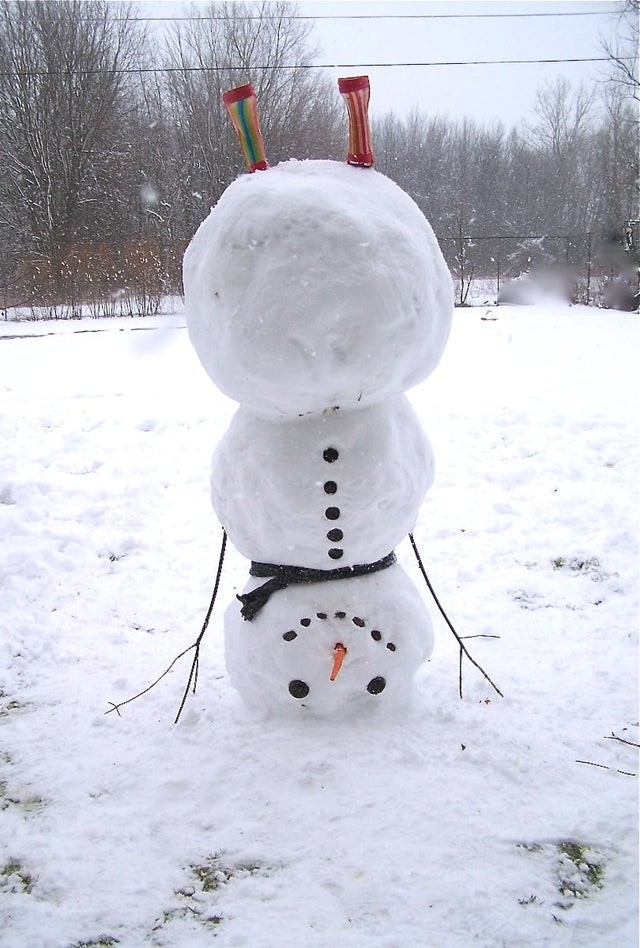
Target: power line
140,70
373,16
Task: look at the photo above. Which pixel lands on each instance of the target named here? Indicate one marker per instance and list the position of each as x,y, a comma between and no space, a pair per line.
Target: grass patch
15,878
11,800
195,901
211,875
578,565
578,872
7,707
101,941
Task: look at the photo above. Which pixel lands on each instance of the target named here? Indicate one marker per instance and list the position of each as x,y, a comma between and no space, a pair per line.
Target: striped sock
355,92
243,112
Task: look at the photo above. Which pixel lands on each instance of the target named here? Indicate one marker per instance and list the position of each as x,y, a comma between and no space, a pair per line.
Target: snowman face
341,645
314,285
330,648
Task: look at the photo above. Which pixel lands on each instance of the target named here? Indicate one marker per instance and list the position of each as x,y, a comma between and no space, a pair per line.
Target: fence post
589,268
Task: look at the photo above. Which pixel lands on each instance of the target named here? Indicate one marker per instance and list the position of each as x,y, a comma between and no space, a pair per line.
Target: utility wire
139,70
374,16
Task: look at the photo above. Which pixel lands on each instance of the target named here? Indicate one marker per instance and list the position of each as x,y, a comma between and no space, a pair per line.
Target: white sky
491,92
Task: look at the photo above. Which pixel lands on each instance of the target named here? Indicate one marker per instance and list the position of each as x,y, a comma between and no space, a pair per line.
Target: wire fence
580,267
133,278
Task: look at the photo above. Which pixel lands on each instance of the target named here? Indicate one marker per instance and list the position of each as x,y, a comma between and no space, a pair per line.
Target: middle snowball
340,488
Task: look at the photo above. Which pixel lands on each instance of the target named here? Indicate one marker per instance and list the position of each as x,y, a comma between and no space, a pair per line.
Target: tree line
114,145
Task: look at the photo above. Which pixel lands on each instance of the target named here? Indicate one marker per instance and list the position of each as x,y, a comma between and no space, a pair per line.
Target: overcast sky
366,32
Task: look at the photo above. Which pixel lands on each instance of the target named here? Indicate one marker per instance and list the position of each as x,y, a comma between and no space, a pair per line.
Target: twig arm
463,648
195,665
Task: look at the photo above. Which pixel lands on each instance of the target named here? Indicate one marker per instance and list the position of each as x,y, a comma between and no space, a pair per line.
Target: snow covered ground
488,821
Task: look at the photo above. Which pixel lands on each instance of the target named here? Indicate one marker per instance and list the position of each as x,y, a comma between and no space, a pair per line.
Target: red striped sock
355,92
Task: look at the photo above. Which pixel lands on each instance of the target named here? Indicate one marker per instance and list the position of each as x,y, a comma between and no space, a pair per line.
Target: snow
368,301
456,823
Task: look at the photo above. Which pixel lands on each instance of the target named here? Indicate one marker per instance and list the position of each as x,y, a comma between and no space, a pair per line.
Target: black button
336,553
376,635
305,622
375,686
298,689
290,636
330,487
335,535
330,455
332,513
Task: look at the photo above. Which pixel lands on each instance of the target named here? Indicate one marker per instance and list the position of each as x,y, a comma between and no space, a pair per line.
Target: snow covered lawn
485,821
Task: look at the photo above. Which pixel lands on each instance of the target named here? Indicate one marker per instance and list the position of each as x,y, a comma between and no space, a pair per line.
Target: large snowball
331,489
283,659
316,284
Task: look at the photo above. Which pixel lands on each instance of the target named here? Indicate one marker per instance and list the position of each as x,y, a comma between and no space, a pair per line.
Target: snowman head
315,285
330,649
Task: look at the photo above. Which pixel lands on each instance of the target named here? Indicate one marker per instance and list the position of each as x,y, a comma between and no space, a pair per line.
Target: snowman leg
355,92
243,111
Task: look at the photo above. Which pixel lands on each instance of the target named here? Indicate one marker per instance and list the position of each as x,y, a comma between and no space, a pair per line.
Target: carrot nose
339,652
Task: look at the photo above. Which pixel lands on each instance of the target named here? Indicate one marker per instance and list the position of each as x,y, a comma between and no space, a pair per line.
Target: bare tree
226,45
622,50
562,117
63,100
558,139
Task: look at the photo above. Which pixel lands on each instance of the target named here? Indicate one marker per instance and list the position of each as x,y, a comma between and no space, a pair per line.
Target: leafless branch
192,680
464,652
590,763
614,737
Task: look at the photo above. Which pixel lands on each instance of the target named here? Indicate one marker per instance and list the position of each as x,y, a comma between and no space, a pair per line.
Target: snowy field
483,822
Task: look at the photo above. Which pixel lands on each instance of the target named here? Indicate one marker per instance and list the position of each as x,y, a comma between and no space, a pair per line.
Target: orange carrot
339,653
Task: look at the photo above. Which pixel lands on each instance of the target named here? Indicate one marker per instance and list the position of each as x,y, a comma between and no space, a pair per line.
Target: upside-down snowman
316,295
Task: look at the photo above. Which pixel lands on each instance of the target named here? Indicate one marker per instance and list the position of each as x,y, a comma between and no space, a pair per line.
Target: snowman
316,295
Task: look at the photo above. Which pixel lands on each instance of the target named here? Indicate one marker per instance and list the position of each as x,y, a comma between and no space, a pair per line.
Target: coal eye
299,689
376,685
